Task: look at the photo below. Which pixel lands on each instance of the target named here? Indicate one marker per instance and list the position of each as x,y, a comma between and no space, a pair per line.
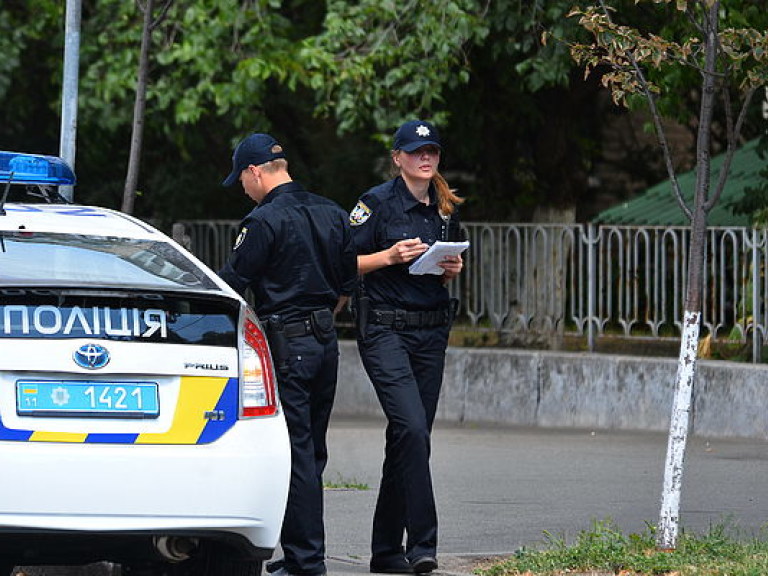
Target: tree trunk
669,518
686,371
132,176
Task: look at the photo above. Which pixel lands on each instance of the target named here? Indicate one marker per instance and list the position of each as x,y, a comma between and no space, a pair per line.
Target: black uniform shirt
295,251
385,215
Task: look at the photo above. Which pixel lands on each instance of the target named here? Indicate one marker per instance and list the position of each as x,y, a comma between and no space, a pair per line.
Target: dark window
168,318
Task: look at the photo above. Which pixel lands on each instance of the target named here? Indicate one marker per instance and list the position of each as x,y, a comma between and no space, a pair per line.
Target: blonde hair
447,200
274,165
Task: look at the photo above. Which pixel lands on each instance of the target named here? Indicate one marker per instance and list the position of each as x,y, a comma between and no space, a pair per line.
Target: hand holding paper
427,263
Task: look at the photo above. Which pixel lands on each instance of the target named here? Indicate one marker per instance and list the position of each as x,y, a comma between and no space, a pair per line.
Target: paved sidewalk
499,489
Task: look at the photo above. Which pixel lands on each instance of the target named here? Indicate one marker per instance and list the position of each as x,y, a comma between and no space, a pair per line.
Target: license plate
87,399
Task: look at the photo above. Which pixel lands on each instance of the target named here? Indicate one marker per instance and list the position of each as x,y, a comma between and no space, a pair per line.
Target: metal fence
547,282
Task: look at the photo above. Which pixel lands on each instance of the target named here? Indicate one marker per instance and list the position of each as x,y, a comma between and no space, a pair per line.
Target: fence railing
545,281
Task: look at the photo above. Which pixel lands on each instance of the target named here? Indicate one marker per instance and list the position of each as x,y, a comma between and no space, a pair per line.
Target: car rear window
86,260
143,317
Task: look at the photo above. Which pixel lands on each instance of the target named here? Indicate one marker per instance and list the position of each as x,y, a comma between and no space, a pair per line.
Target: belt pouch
322,325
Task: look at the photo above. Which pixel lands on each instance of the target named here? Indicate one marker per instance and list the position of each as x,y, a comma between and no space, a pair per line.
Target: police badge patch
240,237
360,213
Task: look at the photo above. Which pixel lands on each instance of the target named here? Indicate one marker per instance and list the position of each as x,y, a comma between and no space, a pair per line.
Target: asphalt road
499,489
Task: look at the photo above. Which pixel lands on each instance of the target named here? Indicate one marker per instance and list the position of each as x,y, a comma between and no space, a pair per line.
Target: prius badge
91,356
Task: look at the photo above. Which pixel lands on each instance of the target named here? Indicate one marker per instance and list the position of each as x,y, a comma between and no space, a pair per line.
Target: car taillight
257,377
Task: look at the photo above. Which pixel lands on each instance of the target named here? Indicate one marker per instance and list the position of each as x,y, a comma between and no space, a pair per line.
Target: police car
139,418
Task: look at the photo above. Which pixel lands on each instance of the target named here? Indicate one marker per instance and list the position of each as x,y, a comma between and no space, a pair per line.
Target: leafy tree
376,62
711,38
331,79
522,126
215,66
325,76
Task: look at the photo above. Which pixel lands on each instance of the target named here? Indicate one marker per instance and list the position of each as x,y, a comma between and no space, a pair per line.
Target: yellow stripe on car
57,437
197,395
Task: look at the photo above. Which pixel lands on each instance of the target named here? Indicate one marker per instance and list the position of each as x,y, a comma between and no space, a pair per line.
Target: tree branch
733,134
163,13
660,134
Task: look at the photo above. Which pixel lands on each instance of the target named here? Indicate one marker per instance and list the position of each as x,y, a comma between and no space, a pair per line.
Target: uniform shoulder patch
240,237
360,213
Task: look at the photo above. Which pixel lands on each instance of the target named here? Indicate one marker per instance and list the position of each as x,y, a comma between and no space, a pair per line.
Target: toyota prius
139,418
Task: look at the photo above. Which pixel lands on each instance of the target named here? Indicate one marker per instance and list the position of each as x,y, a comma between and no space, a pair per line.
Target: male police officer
295,253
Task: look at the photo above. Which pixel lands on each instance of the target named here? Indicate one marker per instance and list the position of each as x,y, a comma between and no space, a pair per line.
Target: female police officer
403,323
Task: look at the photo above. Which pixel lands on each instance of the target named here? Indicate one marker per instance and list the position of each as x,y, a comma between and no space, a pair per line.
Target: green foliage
720,552
624,51
370,63
377,62
21,26
696,61
330,78
210,57
12,42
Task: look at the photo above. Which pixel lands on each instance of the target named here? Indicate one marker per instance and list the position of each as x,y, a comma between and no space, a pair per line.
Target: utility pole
67,142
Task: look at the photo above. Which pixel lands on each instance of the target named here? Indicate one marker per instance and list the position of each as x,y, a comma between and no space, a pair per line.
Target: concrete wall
560,389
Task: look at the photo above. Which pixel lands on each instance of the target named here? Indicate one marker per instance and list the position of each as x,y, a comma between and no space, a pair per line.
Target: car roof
74,219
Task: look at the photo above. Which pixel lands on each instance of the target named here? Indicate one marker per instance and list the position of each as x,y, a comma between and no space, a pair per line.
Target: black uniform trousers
406,369
307,389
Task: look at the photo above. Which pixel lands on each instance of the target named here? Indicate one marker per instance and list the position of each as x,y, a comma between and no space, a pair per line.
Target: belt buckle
399,322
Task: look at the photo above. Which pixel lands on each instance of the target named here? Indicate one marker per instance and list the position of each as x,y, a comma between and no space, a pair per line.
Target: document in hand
427,262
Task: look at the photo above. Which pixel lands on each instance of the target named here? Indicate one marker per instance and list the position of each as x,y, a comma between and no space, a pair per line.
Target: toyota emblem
91,356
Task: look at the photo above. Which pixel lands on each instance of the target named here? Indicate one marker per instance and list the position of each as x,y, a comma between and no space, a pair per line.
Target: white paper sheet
427,262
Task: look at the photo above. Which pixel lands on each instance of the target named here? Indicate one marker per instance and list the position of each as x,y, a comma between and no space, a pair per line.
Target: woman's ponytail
447,200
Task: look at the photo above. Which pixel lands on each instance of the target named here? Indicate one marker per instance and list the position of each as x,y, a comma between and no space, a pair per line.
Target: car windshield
71,259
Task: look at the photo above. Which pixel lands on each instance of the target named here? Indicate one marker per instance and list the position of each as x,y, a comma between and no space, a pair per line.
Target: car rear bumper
236,485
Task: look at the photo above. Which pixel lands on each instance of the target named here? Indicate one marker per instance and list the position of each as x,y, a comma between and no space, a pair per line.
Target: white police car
139,418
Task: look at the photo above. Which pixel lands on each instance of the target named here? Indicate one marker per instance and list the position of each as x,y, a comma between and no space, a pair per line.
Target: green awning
657,206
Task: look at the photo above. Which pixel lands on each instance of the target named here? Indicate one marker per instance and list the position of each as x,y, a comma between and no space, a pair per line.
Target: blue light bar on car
20,168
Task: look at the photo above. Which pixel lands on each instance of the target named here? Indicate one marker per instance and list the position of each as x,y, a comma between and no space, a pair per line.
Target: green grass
604,549
343,484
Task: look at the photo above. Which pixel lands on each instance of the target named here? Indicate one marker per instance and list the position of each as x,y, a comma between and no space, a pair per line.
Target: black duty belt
400,319
300,328
319,323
